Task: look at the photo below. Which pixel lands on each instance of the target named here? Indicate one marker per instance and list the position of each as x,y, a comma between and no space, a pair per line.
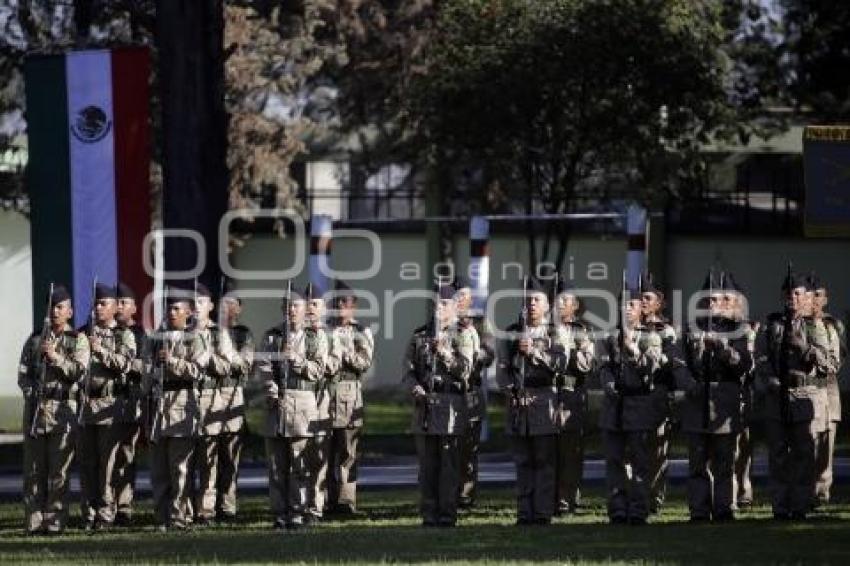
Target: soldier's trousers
792,466
288,478
627,456
342,462
124,471
98,444
658,464
170,460
439,477
825,450
570,464
470,445
711,469
743,466
47,458
229,454
534,457
206,462
317,462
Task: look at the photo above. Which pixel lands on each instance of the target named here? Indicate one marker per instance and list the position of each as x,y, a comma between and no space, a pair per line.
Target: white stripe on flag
92,158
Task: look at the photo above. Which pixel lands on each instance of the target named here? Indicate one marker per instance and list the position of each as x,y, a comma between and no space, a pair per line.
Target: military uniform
292,415
129,402
530,383
574,338
826,440
476,408
720,361
660,441
631,414
232,403
176,417
439,416
215,376
48,452
98,440
743,490
352,348
794,410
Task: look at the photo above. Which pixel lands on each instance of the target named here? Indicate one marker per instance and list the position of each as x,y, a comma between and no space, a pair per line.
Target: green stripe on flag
48,177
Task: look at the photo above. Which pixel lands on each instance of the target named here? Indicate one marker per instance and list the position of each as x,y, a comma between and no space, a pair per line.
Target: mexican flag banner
88,171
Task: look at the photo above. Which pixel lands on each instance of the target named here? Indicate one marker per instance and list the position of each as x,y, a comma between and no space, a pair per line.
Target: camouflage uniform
631,414
440,417
292,416
533,417
574,338
129,401
712,416
352,348
232,397
173,386
215,375
826,440
795,409
49,452
98,439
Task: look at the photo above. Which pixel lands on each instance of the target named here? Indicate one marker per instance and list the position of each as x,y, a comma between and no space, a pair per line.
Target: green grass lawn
390,533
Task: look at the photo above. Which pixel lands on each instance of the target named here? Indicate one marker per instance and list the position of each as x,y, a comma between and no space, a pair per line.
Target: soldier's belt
177,385
294,384
539,381
635,391
100,392
804,381
218,383
348,376
722,379
57,394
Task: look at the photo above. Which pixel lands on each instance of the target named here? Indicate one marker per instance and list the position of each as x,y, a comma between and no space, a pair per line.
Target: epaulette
71,333
358,327
513,327
240,328
420,329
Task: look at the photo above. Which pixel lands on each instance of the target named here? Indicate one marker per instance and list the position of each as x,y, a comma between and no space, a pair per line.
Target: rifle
281,369
84,397
621,343
42,370
787,330
431,358
518,392
708,355
157,387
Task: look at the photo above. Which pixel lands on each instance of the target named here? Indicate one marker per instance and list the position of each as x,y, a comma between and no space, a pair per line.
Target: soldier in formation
232,404
350,357
53,363
113,349
293,359
436,368
573,336
476,395
529,366
129,405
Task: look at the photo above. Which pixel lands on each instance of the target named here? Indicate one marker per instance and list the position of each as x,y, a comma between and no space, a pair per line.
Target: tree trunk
190,44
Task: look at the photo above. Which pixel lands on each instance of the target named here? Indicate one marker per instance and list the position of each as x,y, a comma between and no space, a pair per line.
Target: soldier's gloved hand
610,390
524,345
418,392
797,340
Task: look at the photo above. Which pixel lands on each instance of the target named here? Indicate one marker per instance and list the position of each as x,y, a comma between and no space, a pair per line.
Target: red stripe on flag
130,73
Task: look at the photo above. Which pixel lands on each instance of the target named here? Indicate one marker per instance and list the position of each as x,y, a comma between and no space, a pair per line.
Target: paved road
254,479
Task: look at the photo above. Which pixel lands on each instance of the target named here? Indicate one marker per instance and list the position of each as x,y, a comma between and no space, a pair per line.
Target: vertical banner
321,233
88,171
826,164
636,242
